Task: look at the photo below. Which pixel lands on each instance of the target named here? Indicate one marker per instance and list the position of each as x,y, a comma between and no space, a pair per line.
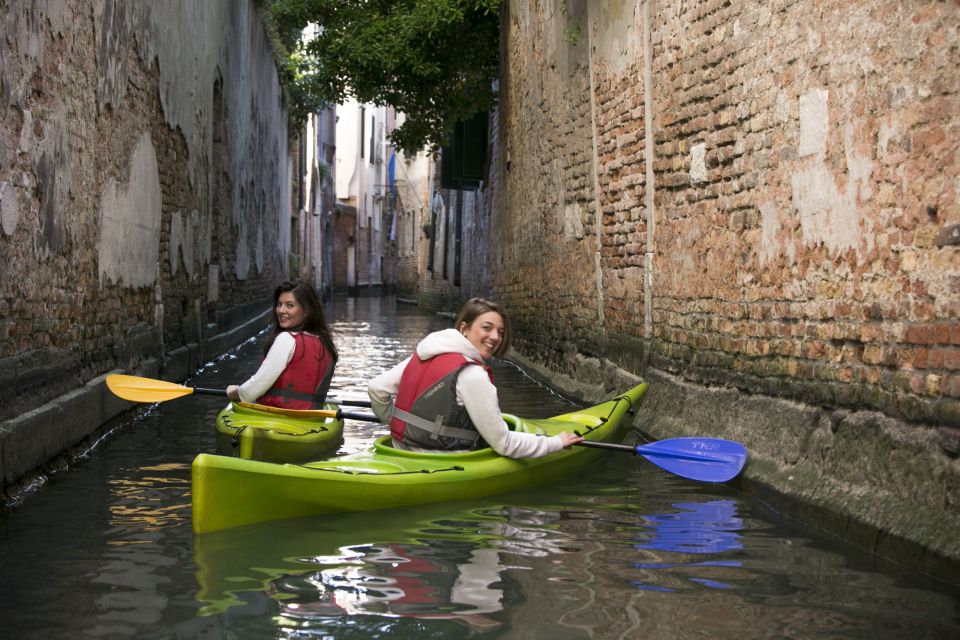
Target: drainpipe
648,157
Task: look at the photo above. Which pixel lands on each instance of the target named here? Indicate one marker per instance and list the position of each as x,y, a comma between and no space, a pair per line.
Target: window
373,138
363,124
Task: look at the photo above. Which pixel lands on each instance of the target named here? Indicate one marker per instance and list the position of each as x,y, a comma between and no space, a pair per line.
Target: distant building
411,178
312,220
361,183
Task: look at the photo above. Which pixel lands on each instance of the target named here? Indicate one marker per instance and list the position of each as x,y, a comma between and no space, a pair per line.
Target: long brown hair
476,307
313,319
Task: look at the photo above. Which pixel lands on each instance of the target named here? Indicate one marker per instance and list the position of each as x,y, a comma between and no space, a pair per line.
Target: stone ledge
38,436
597,379
884,485
877,482
33,439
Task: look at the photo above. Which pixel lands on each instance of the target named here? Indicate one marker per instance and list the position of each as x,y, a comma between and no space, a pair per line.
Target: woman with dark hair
299,358
443,397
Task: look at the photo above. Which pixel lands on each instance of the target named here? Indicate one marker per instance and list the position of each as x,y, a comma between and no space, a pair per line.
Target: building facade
413,186
314,201
361,184
753,206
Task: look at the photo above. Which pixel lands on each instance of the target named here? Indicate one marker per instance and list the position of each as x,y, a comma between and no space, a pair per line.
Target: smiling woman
299,360
289,311
485,325
443,398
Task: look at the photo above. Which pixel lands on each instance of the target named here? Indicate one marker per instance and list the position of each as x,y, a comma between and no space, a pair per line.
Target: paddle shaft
209,392
340,414
652,450
350,403
607,445
346,415
345,403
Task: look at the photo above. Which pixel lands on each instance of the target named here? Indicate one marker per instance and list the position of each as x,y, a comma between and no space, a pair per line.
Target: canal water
104,549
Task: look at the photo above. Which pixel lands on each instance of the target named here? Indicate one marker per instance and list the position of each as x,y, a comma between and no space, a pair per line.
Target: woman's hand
233,392
569,439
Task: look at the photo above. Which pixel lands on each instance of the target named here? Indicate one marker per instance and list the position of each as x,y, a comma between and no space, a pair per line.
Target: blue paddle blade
703,459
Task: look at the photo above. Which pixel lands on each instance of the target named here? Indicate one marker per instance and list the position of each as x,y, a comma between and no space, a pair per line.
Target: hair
476,307
313,319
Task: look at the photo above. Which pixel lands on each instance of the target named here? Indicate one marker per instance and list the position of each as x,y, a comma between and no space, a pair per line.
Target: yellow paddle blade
138,389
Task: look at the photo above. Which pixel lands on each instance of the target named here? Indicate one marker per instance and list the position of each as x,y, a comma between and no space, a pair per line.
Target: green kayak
270,434
230,492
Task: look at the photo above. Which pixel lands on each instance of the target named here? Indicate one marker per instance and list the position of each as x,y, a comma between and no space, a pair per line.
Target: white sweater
277,359
474,391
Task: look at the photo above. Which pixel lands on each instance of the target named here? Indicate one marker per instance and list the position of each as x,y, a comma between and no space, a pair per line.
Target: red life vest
304,382
426,413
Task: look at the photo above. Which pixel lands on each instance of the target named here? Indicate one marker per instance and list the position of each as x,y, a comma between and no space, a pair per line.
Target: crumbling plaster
193,44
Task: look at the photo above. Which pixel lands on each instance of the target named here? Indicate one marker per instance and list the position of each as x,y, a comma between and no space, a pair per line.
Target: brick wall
413,189
754,206
544,247
805,196
135,215
409,241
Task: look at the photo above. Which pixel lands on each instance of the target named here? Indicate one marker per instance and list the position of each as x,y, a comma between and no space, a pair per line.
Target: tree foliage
433,60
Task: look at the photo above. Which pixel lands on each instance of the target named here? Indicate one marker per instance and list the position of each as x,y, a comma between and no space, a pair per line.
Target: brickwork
805,183
807,236
413,188
409,242
88,106
544,239
754,206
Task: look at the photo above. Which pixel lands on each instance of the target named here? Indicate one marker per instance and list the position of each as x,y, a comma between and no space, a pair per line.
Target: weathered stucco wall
749,202
144,191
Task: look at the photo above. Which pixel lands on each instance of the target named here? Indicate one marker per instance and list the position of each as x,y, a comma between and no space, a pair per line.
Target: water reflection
147,505
444,564
697,528
623,550
431,562
157,497
452,581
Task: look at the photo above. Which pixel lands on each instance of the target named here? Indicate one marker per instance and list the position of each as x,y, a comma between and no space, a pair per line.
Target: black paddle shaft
607,445
210,392
364,417
349,403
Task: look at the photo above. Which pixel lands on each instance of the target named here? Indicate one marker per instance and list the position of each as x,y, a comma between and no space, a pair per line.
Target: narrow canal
625,550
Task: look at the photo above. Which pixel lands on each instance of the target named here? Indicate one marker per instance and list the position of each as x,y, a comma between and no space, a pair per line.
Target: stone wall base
43,438
887,486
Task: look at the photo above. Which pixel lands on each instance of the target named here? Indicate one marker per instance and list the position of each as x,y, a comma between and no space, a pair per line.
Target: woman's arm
382,390
280,354
479,397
